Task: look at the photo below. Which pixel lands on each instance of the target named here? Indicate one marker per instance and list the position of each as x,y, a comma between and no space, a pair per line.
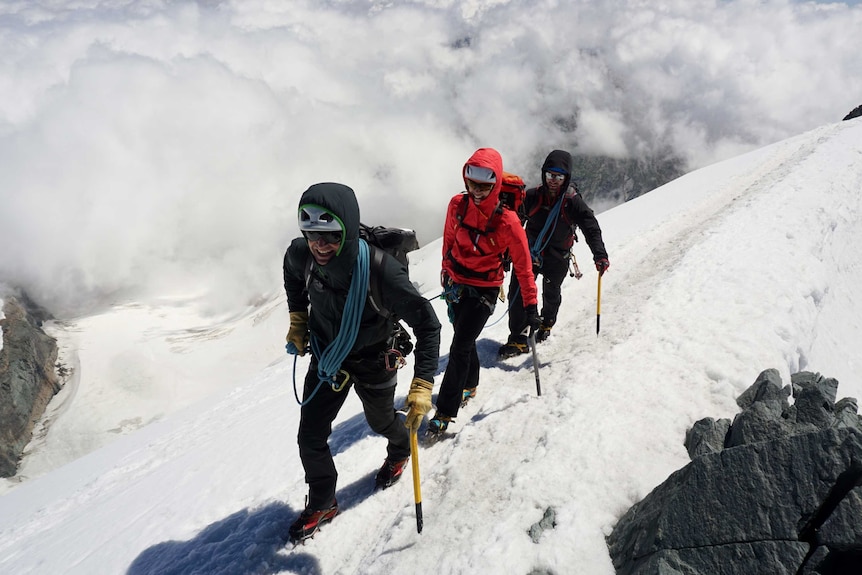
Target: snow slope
744,265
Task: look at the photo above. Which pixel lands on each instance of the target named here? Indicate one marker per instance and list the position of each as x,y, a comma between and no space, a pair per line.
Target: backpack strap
570,193
460,268
375,279
309,262
462,211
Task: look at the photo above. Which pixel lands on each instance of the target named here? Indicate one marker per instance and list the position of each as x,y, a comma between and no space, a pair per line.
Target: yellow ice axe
599,306
417,491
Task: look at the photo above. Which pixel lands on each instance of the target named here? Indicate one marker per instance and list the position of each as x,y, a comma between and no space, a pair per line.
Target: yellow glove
297,335
419,402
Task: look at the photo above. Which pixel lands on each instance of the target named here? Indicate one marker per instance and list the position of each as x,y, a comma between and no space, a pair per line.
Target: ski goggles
554,177
327,237
318,223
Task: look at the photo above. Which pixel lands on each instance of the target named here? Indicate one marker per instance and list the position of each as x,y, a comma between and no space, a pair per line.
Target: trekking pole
599,306
535,363
417,491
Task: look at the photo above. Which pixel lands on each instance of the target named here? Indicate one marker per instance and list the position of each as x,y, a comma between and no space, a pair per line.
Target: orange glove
297,335
419,402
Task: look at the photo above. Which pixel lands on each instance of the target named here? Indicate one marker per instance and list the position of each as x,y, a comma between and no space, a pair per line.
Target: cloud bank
152,146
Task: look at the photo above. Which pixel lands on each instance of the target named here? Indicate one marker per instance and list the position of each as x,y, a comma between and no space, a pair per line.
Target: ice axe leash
417,490
599,305
535,363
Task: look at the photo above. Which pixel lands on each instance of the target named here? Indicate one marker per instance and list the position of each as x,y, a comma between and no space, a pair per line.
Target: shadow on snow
251,541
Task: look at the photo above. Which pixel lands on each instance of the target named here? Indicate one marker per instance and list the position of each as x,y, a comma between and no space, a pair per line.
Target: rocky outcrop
612,181
27,380
775,491
854,113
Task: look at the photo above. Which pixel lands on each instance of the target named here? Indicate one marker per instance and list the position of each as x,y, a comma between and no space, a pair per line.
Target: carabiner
338,386
393,360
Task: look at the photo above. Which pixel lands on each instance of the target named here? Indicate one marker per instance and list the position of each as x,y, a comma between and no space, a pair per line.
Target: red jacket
474,258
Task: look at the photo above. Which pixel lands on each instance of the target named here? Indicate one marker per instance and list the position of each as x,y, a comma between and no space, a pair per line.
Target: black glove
533,319
602,265
445,280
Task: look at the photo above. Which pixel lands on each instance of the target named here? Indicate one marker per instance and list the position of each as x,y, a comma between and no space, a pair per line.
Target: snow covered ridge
769,493
744,265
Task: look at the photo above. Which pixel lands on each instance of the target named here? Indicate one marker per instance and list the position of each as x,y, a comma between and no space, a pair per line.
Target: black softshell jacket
575,211
327,292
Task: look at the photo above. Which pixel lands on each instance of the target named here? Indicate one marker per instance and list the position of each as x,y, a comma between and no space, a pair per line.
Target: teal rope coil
329,362
542,241
330,359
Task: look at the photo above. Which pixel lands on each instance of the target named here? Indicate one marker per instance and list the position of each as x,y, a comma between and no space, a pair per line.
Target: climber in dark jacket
331,314
550,245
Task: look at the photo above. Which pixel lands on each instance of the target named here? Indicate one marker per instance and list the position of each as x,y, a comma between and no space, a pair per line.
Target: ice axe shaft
599,306
535,363
417,490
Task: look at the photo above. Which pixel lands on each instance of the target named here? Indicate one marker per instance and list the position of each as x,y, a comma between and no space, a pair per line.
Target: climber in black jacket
550,245
348,339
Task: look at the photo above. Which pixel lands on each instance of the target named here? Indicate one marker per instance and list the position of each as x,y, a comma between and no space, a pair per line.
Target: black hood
561,160
341,201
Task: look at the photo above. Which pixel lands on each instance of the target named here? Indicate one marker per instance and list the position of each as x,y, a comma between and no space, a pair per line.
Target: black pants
376,389
469,316
553,271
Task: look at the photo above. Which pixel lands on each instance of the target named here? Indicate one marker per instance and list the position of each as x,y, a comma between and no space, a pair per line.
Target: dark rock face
855,113
605,182
27,381
776,491
610,181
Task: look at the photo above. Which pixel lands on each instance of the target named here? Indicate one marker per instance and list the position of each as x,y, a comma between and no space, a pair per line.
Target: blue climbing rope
330,359
539,245
544,237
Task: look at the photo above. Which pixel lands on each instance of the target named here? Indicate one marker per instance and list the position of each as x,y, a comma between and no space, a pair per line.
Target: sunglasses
479,187
327,237
554,177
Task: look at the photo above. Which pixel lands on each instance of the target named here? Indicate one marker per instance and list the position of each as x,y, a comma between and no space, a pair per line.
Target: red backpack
512,191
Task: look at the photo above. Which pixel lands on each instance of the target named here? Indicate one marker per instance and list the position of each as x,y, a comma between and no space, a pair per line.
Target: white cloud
179,135
690,315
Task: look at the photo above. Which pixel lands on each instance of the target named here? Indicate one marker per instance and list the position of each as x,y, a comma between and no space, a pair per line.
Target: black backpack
397,242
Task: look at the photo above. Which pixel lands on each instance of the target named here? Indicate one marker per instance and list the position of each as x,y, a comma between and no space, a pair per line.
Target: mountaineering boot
309,521
542,333
390,472
512,349
467,395
438,425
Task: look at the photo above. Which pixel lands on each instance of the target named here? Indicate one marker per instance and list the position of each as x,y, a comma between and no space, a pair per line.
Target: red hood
487,158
